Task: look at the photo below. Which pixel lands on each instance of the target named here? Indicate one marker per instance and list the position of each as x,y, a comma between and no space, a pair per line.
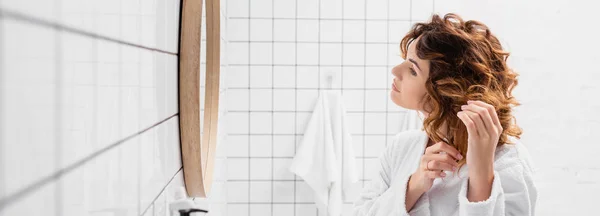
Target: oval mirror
199,93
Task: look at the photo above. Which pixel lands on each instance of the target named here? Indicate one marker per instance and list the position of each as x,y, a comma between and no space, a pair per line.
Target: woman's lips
394,88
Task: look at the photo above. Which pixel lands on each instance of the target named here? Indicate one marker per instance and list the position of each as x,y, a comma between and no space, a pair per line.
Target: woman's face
408,87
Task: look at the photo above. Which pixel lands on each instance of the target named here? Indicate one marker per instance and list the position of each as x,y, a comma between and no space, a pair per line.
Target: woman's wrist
414,186
480,185
413,192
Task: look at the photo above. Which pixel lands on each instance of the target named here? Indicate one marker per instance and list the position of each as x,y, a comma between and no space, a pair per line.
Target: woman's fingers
442,158
483,114
435,174
470,124
438,162
443,147
437,165
492,111
438,158
475,117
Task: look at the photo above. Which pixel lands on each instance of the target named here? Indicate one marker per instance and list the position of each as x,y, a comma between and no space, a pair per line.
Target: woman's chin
395,97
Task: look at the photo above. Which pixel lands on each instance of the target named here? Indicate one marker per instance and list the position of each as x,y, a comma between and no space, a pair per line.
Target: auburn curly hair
467,62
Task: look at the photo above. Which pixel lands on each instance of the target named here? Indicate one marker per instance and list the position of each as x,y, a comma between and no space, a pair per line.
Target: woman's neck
443,132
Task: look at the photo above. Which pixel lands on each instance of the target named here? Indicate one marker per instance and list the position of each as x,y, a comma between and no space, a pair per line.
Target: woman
466,160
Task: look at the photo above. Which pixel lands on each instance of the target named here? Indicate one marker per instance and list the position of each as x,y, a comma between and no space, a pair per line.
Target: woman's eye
413,72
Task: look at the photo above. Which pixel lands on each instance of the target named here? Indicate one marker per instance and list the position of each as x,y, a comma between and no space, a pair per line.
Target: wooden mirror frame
198,153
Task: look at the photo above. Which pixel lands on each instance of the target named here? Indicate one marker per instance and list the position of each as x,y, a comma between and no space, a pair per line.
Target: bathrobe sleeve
384,195
513,193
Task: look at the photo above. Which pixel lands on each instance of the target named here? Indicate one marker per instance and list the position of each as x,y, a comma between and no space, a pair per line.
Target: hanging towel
325,158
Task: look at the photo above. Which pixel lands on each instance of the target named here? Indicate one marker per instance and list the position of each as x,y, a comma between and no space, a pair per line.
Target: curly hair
467,62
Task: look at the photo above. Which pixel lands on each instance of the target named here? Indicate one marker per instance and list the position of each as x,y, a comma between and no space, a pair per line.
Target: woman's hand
484,131
438,158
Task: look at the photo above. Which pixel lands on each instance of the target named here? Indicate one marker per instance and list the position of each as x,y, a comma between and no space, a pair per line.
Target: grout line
299,134
311,42
83,61
319,72
2,89
295,92
364,93
7,200
282,203
265,180
144,87
36,21
139,105
307,88
94,126
304,111
161,191
387,76
410,20
285,157
272,104
342,54
318,19
265,203
319,84
278,203
249,101
281,180
119,113
58,117
139,168
307,65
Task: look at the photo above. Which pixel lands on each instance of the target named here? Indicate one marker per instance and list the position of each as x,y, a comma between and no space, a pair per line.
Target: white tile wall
279,66
89,108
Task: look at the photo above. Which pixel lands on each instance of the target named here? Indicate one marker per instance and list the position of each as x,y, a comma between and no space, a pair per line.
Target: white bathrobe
513,189
325,159
411,121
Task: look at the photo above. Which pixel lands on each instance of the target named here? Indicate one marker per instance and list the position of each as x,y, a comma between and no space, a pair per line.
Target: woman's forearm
480,185
412,194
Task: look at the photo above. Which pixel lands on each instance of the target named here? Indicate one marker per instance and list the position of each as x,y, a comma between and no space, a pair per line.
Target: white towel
325,159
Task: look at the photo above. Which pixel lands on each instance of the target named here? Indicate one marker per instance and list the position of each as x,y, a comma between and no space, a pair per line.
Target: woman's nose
396,72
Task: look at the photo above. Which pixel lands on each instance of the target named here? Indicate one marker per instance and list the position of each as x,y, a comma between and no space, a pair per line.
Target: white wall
553,46
89,119
280,49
